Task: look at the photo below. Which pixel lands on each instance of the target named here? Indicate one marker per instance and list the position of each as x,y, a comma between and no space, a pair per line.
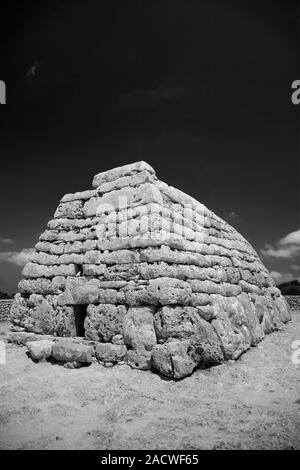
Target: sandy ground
250,404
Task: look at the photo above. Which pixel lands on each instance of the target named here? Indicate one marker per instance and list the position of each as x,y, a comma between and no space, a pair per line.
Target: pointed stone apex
121,172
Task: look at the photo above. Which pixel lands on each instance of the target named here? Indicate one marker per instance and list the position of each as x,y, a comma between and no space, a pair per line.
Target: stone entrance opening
80,312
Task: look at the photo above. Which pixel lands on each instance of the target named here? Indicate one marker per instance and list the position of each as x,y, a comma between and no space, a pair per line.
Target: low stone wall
293,301
5,306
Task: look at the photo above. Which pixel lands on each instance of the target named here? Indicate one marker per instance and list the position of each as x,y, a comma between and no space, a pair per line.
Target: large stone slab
138,328
66,350
33,270
126,170
104,321
23,337
123,198
172,359
80,291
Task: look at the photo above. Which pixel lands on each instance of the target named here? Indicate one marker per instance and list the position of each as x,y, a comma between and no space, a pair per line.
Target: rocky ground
252,403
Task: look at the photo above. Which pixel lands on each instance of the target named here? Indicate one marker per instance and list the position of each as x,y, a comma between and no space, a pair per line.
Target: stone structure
5,306
148,274
293,302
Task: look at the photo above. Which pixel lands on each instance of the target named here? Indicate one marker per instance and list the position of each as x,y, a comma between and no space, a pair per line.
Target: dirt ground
252,403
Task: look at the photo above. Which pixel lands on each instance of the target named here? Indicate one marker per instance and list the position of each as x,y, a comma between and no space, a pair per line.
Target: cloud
19,258
7,241
295,267
279,278
286,247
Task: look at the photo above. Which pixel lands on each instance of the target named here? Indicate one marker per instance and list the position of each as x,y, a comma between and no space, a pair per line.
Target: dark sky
200,90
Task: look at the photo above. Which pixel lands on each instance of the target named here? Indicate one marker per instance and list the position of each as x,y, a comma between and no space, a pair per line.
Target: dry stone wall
293,302
151,269
5,306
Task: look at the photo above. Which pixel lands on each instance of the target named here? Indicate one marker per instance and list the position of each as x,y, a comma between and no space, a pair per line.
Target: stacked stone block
161,280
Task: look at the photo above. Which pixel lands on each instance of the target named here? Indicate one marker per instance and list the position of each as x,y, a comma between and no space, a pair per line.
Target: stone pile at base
148,273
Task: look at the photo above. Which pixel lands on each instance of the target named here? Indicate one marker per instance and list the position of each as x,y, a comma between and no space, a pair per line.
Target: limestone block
93,269
104,321
232,339
80,291
52,248
233,275
37,286
80,195
180,197
19,310
138,295
34,300
249,288
123,198
70,210
72,224
107,352
49,235
138,328
248,317
33,270
230,290
58,284
40,350
223,261
79,247
272,317
165,253
169,291
139,359
180,322
206,287
68,236
72,258
121,172
200,299
44,258
109,296
121,272
112,284
118,339
283,308
274,291
206,311
64,322
66,248
172,359
136,179
119,257
41,319
23,337
67,350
